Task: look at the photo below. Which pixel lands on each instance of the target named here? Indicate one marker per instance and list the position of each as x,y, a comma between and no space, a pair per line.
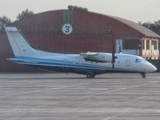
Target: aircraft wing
96,57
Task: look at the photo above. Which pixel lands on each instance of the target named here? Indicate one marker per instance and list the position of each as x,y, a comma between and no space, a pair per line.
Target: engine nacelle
100,57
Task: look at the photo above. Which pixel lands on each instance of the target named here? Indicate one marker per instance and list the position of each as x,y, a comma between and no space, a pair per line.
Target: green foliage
24,14
155,27
4,21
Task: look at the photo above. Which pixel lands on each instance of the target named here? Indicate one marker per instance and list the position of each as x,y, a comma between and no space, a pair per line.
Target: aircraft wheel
90,76
143,76
93,76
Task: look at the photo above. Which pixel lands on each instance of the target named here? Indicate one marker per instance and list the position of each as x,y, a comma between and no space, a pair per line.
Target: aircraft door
128,63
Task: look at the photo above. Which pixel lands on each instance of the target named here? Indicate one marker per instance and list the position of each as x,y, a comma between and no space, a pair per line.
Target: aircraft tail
19,44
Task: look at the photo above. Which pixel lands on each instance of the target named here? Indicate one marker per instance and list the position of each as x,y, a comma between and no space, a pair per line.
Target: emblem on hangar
67,29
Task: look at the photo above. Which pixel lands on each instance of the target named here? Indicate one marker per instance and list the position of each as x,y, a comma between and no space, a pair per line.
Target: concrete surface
57,96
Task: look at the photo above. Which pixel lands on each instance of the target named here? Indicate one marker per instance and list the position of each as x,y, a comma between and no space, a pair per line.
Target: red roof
145,31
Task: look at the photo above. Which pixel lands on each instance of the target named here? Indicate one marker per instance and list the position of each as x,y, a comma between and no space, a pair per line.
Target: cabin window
140,60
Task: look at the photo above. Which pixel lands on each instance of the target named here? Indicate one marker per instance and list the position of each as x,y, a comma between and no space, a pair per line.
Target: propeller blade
113,57
113,65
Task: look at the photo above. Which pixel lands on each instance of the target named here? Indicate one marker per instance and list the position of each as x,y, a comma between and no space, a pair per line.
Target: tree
24,14
153,26
4,21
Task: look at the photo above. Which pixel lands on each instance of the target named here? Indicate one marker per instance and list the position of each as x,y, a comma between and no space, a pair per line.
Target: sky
134,10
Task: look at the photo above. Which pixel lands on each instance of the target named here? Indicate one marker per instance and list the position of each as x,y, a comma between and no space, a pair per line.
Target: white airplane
89,64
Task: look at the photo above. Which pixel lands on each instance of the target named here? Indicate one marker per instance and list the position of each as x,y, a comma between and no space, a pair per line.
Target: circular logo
67,29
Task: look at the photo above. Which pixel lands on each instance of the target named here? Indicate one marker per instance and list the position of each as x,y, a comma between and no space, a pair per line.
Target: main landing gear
143,75
90,76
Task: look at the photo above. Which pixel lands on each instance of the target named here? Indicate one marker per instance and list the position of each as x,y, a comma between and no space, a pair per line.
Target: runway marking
108,91
113,116
45,90
129,87
140,97
99,89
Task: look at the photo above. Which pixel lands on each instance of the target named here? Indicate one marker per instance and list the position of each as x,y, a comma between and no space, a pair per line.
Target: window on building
147,44
132,44
155,45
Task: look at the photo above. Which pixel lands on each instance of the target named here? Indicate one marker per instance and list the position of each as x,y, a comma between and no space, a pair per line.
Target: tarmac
61,96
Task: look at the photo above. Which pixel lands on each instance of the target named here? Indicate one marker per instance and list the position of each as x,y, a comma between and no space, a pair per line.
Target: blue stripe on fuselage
60,63
50,64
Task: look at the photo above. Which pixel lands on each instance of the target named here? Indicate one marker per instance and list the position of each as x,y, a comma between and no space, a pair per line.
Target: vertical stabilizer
20,46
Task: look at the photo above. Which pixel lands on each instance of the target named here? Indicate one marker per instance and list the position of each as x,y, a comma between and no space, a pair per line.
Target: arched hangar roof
140,29
145,31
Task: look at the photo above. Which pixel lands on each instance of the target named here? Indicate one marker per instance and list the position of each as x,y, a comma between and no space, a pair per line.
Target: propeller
113,57
113,49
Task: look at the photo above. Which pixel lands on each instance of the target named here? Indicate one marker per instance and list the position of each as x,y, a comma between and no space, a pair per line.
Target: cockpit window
140,60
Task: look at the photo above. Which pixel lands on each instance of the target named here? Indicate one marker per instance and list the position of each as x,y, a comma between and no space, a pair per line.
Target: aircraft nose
153,68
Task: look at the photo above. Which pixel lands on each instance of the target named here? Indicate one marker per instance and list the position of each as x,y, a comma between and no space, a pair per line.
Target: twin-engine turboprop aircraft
90,63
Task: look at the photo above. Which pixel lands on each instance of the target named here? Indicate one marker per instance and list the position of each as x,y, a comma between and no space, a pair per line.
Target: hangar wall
89,28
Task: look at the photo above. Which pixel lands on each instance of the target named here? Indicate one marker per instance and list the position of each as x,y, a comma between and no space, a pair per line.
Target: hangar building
76,30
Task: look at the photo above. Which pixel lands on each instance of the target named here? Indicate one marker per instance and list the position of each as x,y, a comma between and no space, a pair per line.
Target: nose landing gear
143,75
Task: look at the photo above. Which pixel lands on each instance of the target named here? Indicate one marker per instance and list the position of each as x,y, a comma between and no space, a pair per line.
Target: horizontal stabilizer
11,29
